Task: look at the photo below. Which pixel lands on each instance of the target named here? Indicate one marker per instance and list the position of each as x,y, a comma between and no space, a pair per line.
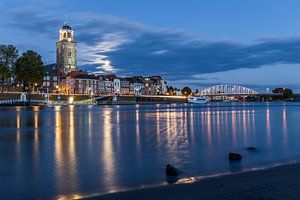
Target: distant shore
270,184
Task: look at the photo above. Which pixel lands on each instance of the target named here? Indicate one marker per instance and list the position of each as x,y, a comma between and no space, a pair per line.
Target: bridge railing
14,101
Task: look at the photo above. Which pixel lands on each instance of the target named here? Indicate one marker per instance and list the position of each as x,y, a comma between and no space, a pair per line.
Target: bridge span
227,90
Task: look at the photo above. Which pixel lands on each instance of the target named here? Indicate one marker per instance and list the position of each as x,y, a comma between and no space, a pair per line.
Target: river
74,151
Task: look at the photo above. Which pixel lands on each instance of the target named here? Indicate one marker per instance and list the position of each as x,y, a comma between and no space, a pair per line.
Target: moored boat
198,100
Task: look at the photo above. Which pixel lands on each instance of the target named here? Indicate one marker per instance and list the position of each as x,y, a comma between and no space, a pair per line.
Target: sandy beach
275,183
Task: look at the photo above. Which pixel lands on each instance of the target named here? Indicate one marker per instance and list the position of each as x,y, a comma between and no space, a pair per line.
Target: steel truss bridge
227,89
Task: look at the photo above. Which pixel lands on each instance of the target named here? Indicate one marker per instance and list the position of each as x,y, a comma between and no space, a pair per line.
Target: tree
186,91
8,58
286,92
170,90
29,69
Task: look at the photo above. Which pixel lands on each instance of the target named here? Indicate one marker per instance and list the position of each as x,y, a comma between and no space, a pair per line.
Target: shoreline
280,181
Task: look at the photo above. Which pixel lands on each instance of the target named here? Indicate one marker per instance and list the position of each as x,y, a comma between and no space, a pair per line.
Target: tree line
25,69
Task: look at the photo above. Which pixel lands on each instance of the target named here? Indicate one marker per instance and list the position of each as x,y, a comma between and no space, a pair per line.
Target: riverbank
271,184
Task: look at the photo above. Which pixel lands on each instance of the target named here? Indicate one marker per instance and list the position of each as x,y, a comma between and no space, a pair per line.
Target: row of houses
82,82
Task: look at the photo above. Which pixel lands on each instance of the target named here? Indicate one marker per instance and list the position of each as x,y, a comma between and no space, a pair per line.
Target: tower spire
66,20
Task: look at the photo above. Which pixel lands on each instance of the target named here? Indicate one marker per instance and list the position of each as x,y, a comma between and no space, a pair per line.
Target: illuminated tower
66,50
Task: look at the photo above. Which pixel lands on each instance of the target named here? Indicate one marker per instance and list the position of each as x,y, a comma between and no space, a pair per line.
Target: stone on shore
172,171
234,157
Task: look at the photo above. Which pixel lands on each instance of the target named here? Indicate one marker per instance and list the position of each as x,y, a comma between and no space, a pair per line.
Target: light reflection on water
66,152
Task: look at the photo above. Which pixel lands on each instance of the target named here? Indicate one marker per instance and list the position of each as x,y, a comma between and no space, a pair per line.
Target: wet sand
280,183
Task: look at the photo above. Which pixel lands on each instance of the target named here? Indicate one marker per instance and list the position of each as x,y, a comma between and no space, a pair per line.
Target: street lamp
35,86
47,97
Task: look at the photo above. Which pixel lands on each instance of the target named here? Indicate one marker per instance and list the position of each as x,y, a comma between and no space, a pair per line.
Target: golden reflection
174,127
36,136
59,148
185,130
90,131
90,122
209,125
137,127
118,128
158,125
18,134
253,120
108,152
67,197
244,126
226,121
187,180
284,125
168,126
218,119
65,152
192,128
72,149
268,124
18,111
203,123
233,121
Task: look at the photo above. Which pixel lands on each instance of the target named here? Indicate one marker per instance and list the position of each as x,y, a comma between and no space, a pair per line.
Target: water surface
68,152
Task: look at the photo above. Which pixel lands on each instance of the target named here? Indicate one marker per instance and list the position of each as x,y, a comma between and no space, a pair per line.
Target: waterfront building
106,85
66,59
80,82
117,86
147,86
159,85
136,85
124,86
51,79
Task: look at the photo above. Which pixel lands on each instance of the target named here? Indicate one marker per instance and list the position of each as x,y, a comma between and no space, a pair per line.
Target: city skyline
203,45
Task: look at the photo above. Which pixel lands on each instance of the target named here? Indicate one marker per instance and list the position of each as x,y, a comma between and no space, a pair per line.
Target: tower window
65,35
69,35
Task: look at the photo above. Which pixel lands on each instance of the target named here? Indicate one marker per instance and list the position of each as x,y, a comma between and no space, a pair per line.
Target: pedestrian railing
18,101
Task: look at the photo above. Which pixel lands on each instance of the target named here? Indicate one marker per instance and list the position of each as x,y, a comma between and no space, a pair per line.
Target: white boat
199,100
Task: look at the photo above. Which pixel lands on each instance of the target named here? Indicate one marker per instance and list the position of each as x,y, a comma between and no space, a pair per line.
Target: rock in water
251,148
172,171
234,157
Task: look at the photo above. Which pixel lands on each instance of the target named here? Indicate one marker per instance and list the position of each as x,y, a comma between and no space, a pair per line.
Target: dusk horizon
250,44
149,100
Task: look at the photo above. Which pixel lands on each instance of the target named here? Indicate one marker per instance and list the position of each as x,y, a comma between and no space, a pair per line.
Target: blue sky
198,43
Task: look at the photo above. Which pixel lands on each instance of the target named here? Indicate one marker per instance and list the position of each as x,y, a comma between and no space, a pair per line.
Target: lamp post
35,87
47,85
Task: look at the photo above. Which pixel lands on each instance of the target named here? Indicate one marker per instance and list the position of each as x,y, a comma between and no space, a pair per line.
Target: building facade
66,58
80,82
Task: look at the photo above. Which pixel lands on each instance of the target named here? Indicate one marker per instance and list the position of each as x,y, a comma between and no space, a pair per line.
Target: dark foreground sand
276,183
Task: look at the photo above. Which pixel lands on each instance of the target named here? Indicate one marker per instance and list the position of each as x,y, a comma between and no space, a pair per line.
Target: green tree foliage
172,91
29,69
186,91
286,92
8,58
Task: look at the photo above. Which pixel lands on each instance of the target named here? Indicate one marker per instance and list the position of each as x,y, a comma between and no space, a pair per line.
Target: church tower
66,50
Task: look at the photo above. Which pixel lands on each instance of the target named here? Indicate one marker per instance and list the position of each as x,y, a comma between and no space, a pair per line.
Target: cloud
113,44
35,23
